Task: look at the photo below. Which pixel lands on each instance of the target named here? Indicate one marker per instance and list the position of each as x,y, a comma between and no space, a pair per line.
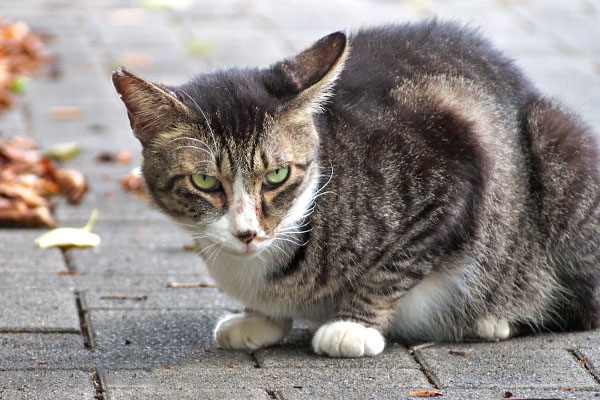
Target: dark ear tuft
150,108
315,68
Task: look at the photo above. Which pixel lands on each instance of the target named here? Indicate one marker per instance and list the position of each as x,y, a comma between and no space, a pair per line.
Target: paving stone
183,393
43,351
115,280
163,236
20,253
153,328
102,260
169,299
295,351
49,385
274,380
516,368
31,280
38,310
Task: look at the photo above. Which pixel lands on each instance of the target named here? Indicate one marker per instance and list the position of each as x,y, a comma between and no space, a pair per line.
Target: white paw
249,331
347,339
493,328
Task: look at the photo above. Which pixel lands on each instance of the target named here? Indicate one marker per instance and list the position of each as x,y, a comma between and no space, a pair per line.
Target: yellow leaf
71,237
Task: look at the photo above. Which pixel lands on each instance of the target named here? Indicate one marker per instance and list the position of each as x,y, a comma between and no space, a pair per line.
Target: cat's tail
564,180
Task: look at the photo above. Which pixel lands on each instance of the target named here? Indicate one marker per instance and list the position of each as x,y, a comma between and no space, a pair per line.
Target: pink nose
246,236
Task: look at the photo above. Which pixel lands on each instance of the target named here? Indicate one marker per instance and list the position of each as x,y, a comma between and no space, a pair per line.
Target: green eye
205,182
277,177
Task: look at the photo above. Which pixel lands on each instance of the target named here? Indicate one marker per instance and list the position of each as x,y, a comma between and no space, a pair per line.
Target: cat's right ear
150,108
306,79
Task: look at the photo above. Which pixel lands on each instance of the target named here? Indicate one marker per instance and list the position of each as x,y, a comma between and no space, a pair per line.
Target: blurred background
71,98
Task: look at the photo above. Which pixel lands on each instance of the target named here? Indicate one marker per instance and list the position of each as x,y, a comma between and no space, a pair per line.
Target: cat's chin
242,253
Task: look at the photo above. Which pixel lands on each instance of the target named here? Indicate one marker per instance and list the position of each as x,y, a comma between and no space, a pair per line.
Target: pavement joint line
583,361
413,355
255,362
96,377
83,323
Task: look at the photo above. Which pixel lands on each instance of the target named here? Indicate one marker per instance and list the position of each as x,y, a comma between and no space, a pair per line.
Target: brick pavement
112,329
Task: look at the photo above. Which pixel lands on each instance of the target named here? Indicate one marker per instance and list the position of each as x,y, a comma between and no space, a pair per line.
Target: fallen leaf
63,151
426,393
458,353
70,182
191,285
66,112
71,237
136,60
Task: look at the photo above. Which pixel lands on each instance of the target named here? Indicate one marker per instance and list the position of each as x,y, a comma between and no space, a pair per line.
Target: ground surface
112,329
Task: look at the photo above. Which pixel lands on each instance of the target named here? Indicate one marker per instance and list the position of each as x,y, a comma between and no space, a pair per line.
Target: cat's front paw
249,331
347,339
492,328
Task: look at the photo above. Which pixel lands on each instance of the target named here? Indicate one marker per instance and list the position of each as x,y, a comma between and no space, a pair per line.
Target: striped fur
433,193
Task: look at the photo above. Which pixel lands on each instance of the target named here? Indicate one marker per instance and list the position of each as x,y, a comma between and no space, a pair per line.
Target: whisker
194,147
205,118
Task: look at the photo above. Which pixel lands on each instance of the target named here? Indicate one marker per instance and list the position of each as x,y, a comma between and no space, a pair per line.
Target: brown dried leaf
66,112
70,182
426,393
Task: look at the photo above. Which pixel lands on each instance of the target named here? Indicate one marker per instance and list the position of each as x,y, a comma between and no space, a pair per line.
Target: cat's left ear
151,109
307,78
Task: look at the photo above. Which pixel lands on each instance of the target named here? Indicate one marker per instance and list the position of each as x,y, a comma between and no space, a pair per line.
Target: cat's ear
308,77
150,108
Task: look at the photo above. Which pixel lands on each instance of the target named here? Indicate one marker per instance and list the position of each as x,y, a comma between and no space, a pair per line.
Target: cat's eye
206,183
276,177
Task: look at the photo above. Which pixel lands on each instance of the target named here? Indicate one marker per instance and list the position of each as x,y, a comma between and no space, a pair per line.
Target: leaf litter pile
29,182
21,55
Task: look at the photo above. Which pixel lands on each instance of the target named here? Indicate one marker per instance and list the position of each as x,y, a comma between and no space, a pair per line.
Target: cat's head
233,154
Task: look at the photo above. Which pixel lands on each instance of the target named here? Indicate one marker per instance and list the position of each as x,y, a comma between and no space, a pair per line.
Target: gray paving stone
49,385
184,393
295,351
31,280
153,328
162,236
320,379
495,368
115,280
20,253
38,310
107,259
43,351
166,299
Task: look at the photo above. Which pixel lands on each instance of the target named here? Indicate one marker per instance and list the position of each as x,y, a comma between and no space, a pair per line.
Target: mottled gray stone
115,280
166,299
295,351
38,310
500,368
29,280
20,253
153,328
49,385
155,235
274,380
186,393
43,351
104,259
130,338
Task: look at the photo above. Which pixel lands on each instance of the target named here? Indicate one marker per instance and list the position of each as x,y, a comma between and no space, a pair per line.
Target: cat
404,181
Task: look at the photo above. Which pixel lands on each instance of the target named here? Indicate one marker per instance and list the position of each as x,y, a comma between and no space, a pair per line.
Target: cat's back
383,58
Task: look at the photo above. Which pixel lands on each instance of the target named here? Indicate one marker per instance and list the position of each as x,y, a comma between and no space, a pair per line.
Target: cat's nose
246,236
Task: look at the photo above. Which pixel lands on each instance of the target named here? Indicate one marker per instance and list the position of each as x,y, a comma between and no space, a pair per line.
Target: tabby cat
403,181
